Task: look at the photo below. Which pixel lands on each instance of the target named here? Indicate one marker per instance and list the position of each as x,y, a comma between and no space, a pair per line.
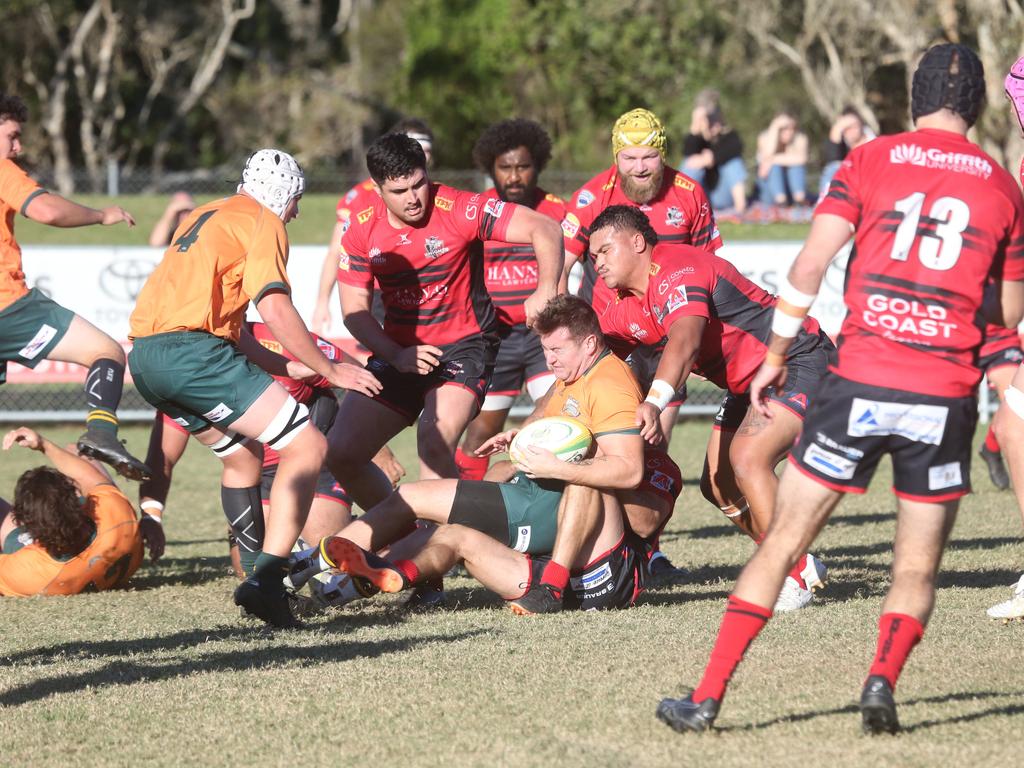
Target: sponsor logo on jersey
329,350
570,225
958,162
434,247
523,536
571,407
343,261
407,298
584,198
512,275
944,476
829,463
898,316
364,216
680,272
494,207
655,268
684,183
376,257
43,337
674,217
345,225
403,239
444,203
917,422
658,312
676,299
592,579
554,199
471,211
351,195
219,413
273,346
637,332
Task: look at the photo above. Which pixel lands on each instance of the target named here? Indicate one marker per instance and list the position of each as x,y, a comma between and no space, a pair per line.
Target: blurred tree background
167,87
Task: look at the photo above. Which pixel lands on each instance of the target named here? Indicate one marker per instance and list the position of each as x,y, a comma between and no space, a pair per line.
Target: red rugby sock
795,573
990,440
555,575
898,633
471,467
408,569
740,625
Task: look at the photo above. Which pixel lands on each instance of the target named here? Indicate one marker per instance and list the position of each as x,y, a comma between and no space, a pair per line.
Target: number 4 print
937,250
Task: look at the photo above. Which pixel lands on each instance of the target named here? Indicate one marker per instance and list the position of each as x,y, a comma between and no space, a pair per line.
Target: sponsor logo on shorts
494,207
829,463
25,539
444,203
434,247
661,481
570,225
674,217
181,421
944,476
852,453
219,413
523,538
43,337
584,198
917,422
592,579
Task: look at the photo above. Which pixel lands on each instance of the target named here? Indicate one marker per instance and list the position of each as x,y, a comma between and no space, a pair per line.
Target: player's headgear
638,128
950,76
1014,86
273,178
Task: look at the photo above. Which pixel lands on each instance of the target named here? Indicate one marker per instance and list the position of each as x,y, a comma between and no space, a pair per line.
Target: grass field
313,227
167,674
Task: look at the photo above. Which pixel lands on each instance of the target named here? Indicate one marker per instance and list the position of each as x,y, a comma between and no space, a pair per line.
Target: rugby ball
567,438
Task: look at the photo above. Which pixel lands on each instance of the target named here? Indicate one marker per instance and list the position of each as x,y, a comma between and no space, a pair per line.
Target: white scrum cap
273,178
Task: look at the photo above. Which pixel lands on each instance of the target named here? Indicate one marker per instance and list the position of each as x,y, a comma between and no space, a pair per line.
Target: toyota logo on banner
122,280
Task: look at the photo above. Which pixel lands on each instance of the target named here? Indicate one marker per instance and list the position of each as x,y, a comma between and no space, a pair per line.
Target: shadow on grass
180,571
132,671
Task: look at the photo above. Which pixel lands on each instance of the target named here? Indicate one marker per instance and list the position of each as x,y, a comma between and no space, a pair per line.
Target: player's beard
643,192
522,195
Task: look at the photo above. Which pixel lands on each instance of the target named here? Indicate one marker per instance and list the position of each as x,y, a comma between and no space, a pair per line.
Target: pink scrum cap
1014,85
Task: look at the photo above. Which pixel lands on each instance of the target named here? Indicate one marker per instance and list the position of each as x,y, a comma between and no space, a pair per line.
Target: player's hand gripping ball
567,438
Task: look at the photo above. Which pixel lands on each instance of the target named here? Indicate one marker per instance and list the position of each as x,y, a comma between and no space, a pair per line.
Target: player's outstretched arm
278,312
545,234
85,475
56,211
676,362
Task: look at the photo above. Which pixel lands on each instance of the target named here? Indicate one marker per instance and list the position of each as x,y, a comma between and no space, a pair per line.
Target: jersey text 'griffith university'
431,285
935,219
690,282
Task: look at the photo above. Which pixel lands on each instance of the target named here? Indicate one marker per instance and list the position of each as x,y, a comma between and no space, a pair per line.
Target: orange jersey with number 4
605,398
113,555
16,190
225,254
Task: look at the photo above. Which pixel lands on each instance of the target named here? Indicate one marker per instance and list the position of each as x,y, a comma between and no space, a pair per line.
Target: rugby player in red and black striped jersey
513,153
676,205
714,321
935,219
436,349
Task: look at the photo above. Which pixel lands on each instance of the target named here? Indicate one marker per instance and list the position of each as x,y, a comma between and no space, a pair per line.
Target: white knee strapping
231,442
288,422
1014,399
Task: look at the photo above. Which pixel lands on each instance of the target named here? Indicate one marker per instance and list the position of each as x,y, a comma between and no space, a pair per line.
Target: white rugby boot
795,595
1012,608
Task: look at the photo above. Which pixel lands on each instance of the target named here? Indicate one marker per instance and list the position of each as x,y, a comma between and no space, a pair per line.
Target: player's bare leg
360,429
1009,425
481,429
999,379
396,516
86,345
326,516
718,483
446,412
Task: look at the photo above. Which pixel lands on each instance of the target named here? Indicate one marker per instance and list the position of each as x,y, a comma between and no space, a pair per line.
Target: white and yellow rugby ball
567,438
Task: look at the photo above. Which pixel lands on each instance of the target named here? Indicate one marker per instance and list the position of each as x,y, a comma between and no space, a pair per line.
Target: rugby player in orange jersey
33,327
187,363
70,527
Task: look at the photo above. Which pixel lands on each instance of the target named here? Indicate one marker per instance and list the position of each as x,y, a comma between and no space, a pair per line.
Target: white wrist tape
785,325
1014,399
660,394
794,296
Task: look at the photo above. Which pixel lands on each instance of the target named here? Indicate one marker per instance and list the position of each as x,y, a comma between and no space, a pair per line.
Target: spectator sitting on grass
782,162
848,131
713,156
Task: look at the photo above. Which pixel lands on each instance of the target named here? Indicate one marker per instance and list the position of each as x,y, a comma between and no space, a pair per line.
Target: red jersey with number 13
431,285
935,218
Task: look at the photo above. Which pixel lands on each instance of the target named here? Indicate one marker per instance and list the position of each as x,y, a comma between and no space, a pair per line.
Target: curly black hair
393,156
12,108
46,505
620,217
510,134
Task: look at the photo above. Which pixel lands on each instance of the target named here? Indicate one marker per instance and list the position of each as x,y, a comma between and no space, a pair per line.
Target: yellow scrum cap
638,128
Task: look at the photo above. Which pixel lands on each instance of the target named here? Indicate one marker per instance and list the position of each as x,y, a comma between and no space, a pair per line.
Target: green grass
167,674
313,227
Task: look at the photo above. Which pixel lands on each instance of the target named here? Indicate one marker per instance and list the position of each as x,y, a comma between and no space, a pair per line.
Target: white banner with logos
101,283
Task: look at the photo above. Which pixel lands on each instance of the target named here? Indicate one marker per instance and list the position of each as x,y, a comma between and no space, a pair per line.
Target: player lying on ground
929,236
186,362
675,204
508,521
70,528
33,327
513,153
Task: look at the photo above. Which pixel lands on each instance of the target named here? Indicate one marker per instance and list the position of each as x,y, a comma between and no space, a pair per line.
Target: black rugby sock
103,388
